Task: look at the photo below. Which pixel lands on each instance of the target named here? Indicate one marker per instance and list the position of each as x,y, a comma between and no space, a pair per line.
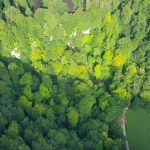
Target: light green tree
13,130
72,116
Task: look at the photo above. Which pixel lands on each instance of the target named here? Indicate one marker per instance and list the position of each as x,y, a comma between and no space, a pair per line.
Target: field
138,129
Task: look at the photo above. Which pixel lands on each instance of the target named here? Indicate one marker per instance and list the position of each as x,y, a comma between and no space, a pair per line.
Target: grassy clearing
138,129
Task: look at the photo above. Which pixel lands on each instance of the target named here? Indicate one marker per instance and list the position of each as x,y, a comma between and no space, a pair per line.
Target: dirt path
123,125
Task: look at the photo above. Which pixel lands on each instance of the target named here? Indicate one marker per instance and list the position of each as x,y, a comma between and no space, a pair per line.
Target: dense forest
68,69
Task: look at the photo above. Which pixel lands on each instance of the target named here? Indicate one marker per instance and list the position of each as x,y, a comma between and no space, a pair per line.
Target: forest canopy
68,68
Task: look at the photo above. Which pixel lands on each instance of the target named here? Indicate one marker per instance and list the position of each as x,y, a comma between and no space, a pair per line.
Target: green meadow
138,129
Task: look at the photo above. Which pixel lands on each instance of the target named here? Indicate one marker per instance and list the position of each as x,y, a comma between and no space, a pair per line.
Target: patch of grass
138,129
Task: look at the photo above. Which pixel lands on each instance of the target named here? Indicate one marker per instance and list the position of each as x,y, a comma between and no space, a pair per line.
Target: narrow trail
123,125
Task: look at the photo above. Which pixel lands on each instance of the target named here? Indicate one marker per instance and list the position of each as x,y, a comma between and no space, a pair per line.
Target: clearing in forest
138,129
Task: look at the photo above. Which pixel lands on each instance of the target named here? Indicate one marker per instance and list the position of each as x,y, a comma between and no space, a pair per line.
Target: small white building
15,53
86,31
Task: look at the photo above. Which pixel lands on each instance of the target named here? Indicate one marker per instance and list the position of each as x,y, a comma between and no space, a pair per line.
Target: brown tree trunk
37,4
70,5
84,5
